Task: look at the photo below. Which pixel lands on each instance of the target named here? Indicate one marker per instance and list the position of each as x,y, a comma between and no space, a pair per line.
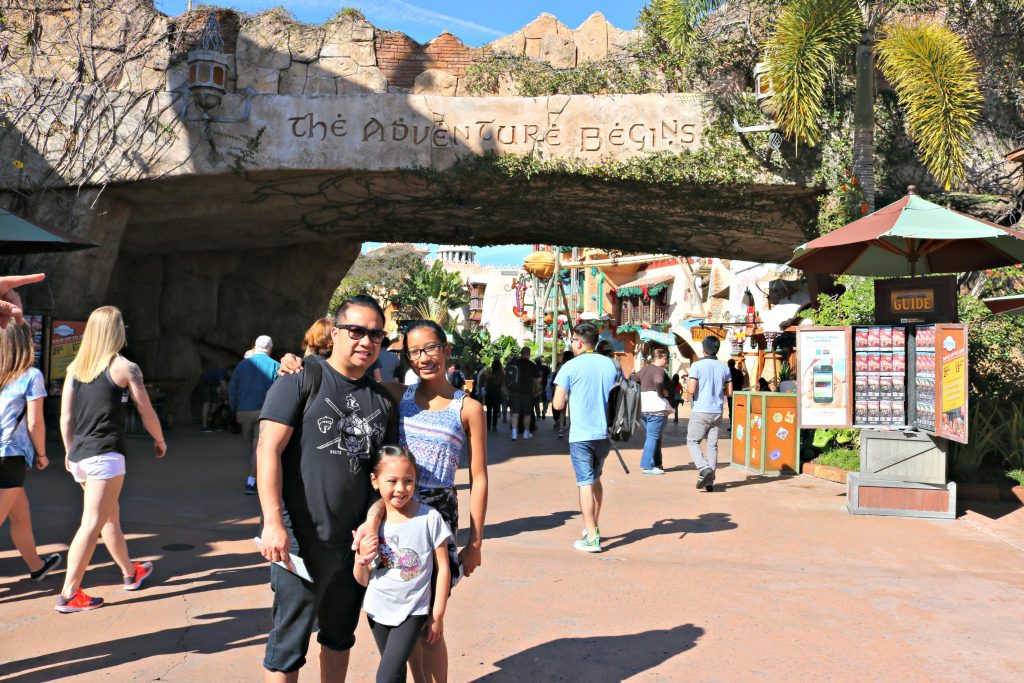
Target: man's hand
10,300
290,364
470,559
276,545
159,449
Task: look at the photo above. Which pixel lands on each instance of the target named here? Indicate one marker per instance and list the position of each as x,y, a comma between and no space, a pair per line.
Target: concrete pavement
765,579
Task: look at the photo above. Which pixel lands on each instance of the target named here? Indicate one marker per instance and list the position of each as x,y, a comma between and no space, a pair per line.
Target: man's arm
273,438
691,386
233,389
558,400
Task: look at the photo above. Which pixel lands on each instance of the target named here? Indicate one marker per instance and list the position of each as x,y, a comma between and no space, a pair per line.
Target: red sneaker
141,573
79,602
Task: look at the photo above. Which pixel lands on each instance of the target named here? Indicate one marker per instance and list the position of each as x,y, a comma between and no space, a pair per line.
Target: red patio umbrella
912,237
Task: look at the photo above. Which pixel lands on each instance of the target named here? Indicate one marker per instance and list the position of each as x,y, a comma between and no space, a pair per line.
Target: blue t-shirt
588,378
712,375
251,381
14,398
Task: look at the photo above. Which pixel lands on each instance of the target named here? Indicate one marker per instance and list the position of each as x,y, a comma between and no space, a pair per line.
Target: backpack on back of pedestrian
624,408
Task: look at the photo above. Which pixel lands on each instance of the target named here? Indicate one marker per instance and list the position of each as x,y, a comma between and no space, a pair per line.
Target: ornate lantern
763,90
208,67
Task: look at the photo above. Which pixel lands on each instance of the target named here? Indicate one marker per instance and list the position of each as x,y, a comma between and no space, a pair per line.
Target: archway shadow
233,629
600,658
705,523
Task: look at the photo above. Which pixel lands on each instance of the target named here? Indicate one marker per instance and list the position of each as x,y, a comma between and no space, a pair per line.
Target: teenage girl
435,421
92,427
22,441
412,542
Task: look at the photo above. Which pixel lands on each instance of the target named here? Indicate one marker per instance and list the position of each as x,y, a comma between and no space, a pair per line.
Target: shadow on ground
218,633
603,658
707,523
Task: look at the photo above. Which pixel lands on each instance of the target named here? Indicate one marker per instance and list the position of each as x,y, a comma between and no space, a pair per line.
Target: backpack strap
312,376
391,436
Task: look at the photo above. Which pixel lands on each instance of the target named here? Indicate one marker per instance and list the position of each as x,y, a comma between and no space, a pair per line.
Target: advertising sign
65,338
918,300
951,348
823,364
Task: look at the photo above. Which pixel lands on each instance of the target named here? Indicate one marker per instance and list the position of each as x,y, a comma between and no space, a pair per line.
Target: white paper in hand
298,566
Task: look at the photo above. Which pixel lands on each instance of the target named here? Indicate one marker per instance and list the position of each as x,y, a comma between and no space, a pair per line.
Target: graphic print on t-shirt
406,560
355,433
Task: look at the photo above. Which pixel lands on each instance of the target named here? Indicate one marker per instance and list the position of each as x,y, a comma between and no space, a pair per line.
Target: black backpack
623,408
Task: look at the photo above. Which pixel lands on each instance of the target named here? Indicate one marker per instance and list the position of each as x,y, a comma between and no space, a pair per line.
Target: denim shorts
106,466
588,459
332,601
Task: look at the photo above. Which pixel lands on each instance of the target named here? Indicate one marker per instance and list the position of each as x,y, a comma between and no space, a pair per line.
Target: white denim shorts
105,466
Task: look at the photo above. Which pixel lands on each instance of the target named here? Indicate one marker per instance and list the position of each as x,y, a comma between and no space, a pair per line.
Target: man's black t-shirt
326,464
520,375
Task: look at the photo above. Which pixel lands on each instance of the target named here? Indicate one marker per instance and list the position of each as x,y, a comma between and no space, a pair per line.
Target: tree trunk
864,119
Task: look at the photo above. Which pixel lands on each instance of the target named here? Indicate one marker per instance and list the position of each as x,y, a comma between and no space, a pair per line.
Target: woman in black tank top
98,385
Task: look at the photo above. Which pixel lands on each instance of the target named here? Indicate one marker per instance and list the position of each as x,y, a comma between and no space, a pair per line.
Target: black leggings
395,644
493,413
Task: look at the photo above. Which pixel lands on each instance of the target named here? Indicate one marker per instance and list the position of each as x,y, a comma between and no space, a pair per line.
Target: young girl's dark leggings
395,644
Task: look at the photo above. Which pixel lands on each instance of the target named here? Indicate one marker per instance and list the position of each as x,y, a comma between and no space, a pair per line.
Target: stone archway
213,232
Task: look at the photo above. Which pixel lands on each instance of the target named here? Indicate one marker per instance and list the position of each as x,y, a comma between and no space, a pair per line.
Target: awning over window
652,285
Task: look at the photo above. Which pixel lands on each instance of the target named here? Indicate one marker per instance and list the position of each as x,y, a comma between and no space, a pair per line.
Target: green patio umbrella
912,237
20,235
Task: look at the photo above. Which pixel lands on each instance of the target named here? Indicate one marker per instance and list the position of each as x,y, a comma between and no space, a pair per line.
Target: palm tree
932,71
432,292
930,67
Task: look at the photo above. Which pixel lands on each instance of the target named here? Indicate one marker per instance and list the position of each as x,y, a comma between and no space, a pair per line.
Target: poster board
951,393
65,339
824,377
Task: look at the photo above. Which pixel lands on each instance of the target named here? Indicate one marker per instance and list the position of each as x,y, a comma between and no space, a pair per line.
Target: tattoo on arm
136,375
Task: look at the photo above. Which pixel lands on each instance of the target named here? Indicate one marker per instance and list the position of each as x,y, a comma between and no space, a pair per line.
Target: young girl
412,542
92,427
22,436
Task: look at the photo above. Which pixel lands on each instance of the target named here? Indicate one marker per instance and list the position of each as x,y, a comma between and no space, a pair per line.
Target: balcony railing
636,313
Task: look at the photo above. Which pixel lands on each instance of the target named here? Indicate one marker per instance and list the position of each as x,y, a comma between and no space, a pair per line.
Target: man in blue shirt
710,384
585,382
248,389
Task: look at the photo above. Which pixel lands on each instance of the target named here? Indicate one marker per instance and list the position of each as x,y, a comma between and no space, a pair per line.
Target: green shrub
1017,475
843,458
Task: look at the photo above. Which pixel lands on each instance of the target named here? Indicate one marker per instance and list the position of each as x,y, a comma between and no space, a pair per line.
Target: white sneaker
514,434
527,435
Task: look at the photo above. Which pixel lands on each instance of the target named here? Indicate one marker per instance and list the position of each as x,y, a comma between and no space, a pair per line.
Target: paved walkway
766,579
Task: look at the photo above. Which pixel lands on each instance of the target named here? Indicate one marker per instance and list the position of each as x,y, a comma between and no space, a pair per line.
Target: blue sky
501,255
475,22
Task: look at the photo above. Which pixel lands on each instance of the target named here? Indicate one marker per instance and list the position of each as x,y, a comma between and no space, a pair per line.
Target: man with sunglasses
315,447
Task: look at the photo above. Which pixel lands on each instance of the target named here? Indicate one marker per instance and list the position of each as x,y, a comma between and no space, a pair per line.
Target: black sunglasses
358,332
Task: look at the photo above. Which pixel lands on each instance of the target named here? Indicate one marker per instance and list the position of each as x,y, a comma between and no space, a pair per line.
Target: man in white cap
248,389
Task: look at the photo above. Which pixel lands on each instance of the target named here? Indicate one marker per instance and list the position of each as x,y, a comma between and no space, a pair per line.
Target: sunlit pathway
762,580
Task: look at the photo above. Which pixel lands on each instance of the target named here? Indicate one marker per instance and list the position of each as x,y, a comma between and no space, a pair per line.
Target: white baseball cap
263,344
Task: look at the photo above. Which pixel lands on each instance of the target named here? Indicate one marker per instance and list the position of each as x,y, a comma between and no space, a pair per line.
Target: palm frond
936,80
680,20
808,40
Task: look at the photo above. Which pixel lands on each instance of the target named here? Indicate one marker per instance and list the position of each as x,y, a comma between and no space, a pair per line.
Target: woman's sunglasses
358,332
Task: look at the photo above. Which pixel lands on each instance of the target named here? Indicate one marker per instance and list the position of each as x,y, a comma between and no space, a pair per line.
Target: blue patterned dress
435,438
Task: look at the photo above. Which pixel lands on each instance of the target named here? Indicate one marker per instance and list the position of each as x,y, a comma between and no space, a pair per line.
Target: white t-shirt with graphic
400,583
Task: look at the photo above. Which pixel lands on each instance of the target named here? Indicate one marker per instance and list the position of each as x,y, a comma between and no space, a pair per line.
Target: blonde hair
104,337
16,355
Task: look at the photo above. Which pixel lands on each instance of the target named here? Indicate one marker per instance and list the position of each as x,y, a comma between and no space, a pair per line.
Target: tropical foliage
379,273
933,72
430,293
